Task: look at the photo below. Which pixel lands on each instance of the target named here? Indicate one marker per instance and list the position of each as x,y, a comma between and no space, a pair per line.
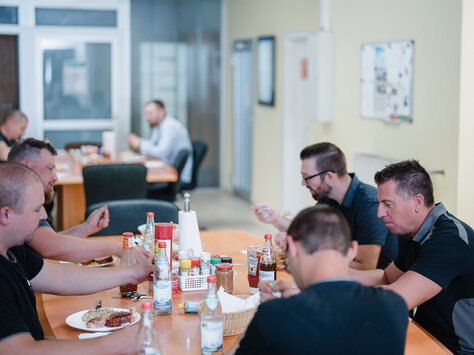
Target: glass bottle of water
162,282
147,339
212,320
149,234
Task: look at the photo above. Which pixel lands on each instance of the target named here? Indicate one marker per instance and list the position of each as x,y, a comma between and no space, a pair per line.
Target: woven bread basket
236,322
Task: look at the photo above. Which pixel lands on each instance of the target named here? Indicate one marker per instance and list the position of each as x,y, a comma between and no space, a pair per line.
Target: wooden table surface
180,332
70,197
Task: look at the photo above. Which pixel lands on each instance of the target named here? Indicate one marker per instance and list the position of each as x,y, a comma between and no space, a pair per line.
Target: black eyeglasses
306,179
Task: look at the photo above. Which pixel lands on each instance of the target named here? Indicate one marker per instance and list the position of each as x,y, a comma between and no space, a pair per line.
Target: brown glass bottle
127,259
267,266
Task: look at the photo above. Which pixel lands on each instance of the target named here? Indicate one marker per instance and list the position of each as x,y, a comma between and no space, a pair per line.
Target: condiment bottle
212,320
205,263
189,306
185,268
162,282
214,262
147,338
164,233
267,268
127,259
149,234
195,263
226,259
253,259
225,277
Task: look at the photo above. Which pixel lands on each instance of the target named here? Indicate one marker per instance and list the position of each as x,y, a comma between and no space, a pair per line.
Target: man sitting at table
168,138
23,272
324,174
68,245
333,314
12,127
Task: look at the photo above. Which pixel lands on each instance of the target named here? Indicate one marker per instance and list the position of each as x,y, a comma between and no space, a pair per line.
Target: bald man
12,127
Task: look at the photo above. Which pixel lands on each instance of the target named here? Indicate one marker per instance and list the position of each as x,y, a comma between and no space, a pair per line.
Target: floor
220,210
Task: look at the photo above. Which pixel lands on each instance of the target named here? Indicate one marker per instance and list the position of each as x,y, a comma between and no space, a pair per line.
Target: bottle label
128,242
212,302
163,268
252,263
162,295
211,336
266,275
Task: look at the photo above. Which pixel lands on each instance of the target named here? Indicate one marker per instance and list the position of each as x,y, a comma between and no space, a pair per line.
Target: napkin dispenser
189,237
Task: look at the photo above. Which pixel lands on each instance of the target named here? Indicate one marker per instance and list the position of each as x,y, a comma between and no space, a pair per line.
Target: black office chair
114,182
127,215
167,191
199,152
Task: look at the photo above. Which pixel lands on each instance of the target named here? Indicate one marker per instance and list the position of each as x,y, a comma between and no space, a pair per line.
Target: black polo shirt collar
429,222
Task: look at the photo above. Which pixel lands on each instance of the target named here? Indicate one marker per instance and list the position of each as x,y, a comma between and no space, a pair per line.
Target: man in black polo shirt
12,127
23,272
333,314
324,173
434,269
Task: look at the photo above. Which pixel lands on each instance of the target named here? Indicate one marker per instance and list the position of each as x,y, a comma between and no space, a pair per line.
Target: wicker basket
236,322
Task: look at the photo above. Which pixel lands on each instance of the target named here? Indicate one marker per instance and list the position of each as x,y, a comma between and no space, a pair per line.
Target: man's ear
292,248
352,252
418,200
26,163
5,215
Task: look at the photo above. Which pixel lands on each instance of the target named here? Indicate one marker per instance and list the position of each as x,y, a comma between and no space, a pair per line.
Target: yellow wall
433,137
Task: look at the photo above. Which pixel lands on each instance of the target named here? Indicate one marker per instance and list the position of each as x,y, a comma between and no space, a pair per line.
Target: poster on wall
387,81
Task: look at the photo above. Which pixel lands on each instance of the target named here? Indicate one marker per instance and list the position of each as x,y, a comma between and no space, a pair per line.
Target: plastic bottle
127,259
147,338
162,282
212,320
189,306
267,266
149,234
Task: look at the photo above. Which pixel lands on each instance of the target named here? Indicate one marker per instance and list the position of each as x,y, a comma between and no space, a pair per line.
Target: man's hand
142,271
98,219
280,240
134,142
141,254
265,213
286,288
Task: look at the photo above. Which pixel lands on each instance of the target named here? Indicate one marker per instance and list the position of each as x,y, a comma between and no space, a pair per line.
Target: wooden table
180,332
70,197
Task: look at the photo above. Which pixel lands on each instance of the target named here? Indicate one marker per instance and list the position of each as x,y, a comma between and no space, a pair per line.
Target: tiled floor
220,210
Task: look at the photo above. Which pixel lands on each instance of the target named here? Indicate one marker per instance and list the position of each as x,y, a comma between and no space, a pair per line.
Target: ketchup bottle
253,258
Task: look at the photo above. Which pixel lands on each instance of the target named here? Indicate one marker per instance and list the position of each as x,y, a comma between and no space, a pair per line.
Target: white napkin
231,303
92,335
154,164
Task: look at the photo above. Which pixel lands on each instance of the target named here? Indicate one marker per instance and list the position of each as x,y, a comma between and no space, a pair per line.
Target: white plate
75,321
101,265
150,164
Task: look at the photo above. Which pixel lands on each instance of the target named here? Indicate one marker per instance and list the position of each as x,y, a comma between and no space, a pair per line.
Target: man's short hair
12,114
321,227
157,102
411,179
29,149
14,179
328,157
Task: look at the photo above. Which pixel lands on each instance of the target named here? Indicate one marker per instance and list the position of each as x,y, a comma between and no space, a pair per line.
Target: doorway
9,88
242,117
299,93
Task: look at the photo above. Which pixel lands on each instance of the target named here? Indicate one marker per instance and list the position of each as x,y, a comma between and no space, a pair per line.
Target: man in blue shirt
324,174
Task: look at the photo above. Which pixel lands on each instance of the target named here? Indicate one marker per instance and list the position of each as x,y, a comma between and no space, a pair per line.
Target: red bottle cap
161,245
150,214
224,266
195,262
127,234
268,236
146,305
212,278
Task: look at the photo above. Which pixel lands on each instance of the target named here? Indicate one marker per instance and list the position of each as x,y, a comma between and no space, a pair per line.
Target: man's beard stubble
48,197
322,193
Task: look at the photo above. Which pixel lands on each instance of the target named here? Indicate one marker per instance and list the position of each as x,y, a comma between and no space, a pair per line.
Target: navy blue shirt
8,142
443,251
359,207
337,316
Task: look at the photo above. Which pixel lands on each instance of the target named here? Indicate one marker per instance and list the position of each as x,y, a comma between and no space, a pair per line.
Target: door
242,117
9,98
299,92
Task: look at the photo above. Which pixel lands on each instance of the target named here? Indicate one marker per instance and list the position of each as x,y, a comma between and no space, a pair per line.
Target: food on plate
95,262
108,317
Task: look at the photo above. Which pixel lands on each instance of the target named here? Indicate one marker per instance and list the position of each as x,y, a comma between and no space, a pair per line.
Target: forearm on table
369,277
80,231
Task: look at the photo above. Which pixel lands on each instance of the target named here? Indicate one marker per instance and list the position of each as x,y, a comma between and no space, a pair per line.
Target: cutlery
99,305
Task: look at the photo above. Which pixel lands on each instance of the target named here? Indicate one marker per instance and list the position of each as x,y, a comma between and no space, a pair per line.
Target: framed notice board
387,81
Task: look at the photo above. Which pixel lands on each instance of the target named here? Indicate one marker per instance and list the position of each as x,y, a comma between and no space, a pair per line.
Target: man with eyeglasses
324,174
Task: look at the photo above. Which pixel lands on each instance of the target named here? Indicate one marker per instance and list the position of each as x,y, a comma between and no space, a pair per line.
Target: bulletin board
387,81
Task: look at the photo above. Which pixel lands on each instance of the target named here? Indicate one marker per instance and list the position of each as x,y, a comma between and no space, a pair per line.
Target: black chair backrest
114,182
127,215
199,152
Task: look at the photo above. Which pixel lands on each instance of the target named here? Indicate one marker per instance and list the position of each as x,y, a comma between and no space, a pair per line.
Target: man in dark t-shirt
324,174
12,127
434,269
333,314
